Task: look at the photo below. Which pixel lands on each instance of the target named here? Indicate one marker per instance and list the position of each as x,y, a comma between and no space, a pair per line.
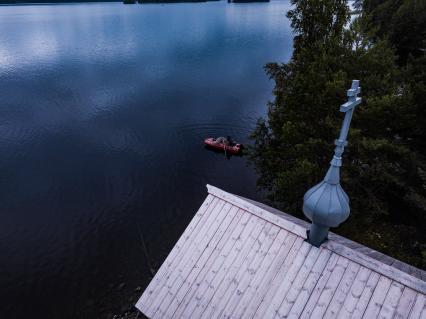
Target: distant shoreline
2,3
23,3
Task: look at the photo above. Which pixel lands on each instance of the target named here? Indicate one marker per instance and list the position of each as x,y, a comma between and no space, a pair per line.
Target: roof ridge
356,252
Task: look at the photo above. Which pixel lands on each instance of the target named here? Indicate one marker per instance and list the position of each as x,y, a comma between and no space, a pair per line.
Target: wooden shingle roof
242,259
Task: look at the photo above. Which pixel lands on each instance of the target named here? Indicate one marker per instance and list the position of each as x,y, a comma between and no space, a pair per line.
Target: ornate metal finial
326,204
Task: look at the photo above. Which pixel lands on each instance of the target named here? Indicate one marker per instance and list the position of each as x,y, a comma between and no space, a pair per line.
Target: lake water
103,110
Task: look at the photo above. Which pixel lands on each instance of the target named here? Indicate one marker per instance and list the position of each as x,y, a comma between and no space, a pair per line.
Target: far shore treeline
384,165
125,1
51,1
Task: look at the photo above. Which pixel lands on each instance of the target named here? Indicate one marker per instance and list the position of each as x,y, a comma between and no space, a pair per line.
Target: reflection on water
103,112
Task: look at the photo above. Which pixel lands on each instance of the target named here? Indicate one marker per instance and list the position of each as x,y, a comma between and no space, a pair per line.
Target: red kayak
235,148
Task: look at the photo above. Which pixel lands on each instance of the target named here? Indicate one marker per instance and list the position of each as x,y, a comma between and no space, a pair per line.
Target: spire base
317,235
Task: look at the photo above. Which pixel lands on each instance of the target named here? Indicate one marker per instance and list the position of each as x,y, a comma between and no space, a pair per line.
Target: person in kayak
222,140
225,144
230,141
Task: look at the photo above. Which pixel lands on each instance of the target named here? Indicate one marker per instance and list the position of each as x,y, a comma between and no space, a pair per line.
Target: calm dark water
103,109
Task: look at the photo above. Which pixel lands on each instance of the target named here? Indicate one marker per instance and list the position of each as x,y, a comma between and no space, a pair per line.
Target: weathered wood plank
342,290
306,251
242,281
355,293
277,220
260,275
277,278
199,255
268,282
423,275
216,258
417,312
200,240
319,272
312,265
391,301
238,286
197,259
405,304
423,314
416,272
378,266
216,287
219,301
204,261
378,298
330,288
197,221
308,299
364,299
204,291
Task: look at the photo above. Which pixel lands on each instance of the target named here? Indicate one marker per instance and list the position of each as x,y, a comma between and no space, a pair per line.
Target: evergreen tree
402,21
384,171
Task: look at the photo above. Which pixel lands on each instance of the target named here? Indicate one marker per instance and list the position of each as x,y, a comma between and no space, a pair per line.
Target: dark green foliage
403,21
384,169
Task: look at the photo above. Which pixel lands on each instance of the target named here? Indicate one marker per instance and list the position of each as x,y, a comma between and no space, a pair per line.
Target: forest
382,44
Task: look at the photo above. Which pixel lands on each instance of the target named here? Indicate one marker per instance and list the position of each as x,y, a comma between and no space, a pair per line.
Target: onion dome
326,203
